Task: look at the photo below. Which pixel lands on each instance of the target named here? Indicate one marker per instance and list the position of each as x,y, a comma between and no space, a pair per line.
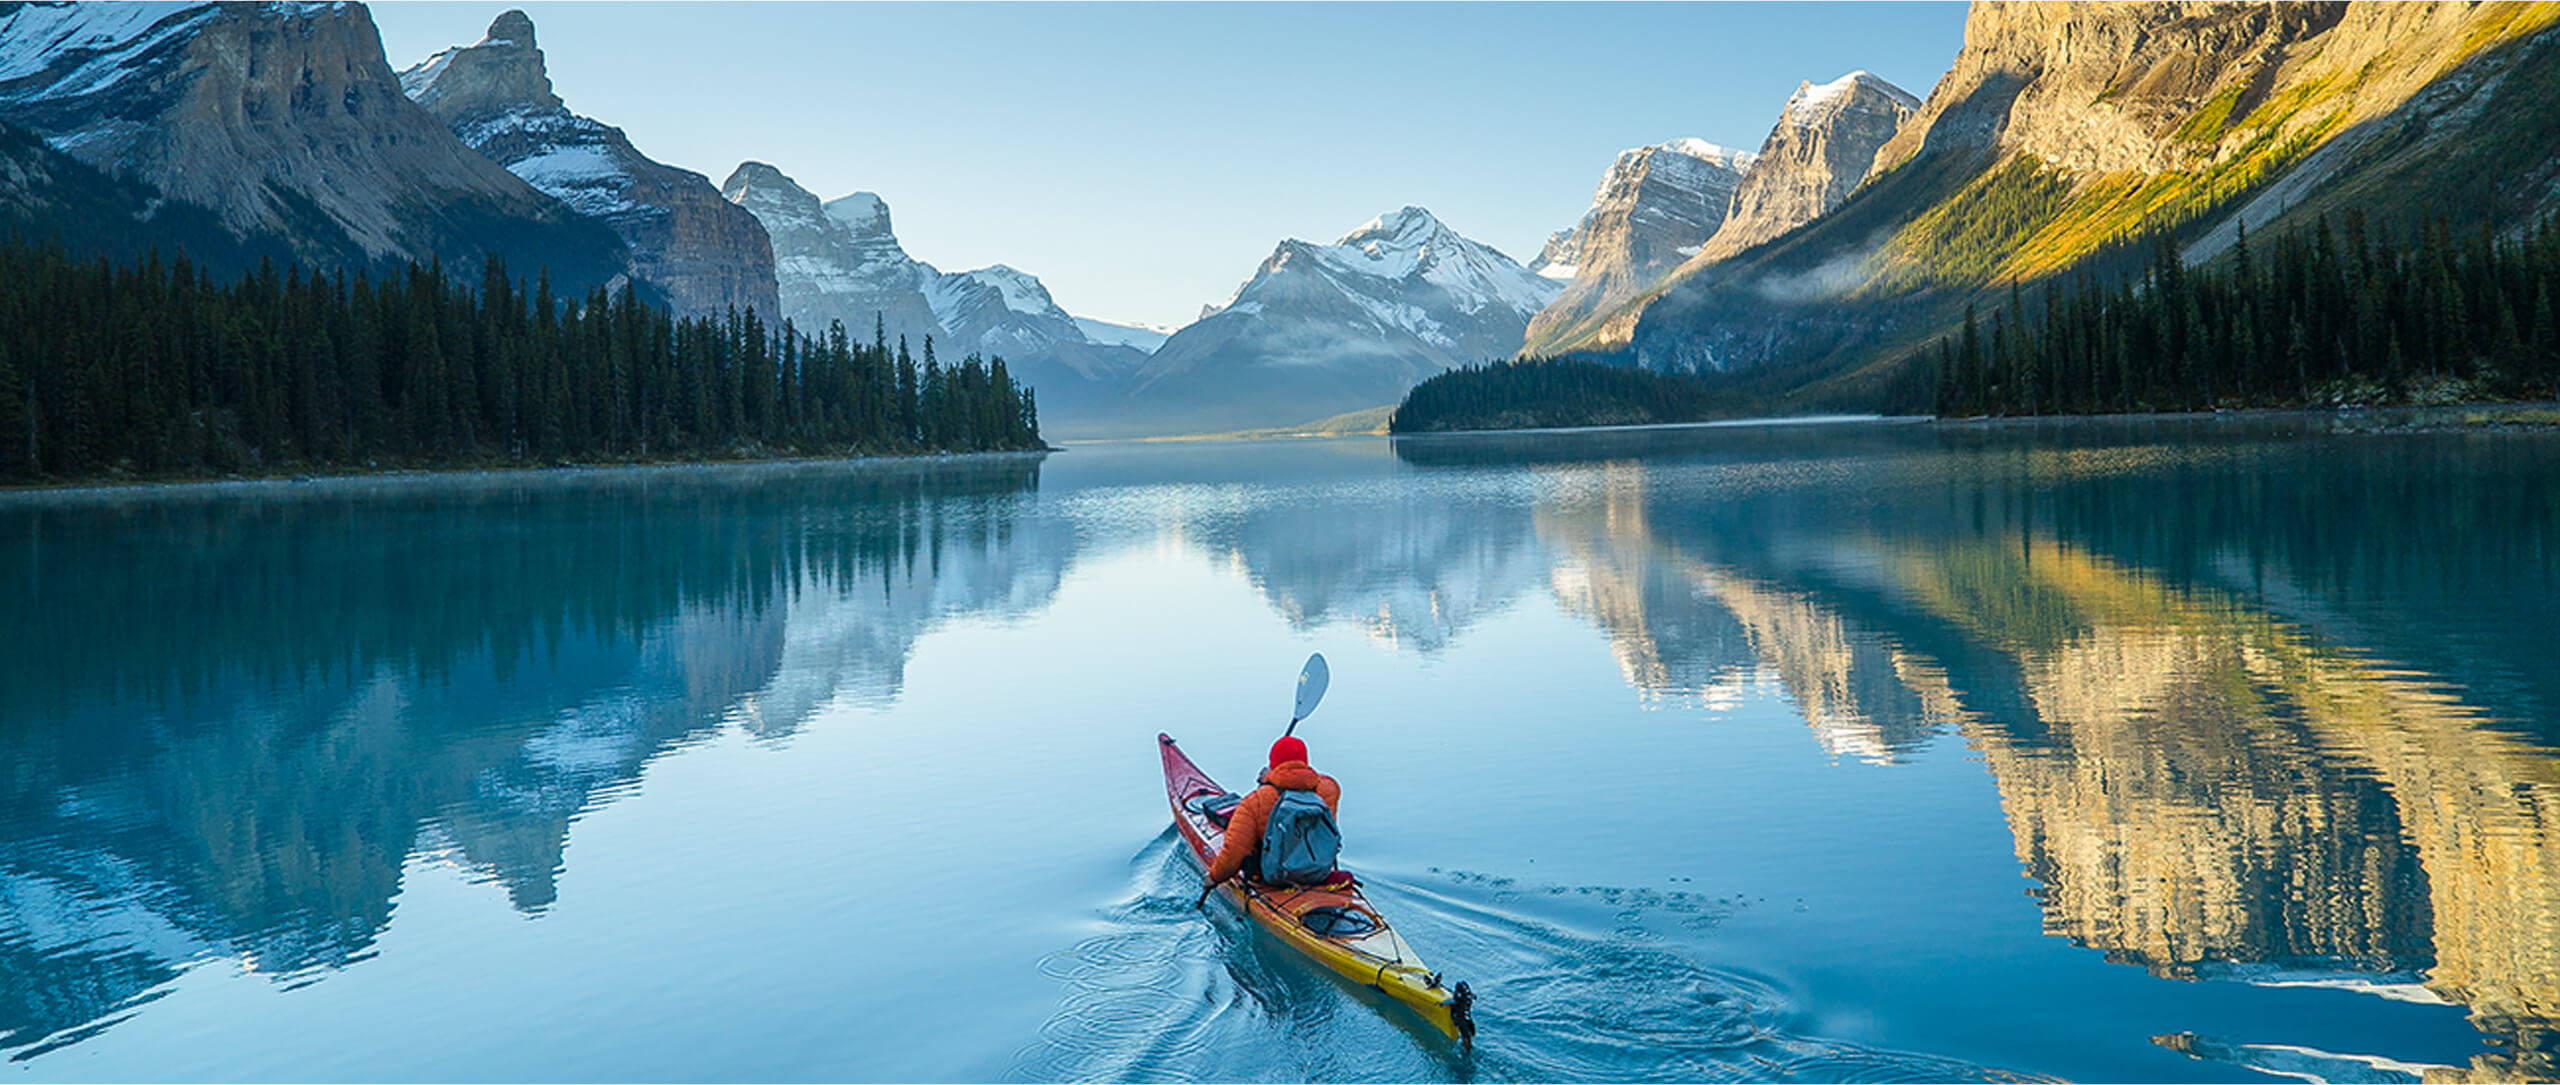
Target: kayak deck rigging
1333,923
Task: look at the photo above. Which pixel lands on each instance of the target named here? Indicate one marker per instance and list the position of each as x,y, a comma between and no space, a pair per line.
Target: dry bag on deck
1300,841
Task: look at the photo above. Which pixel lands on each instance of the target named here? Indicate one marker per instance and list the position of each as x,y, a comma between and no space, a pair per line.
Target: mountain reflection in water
2202,785
2263,707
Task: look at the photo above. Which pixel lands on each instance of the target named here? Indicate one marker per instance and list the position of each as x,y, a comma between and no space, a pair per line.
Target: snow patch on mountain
1022,293
585,178
100,41
1410,243
1708,152
865,213
951,293
1145,337
1811,103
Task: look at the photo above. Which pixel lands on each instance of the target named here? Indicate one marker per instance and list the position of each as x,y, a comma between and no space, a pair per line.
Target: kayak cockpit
1213,805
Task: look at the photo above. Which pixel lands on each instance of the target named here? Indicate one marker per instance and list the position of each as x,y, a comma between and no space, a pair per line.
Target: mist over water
2219,750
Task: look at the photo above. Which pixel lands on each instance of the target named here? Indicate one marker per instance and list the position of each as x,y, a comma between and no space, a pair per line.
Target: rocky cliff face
48,195
1824,144
705,254
2095,87
2276,99
287,122
839,260
1655,207
1324,329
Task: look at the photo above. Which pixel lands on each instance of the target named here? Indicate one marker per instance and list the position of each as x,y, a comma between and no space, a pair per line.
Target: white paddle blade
1311,683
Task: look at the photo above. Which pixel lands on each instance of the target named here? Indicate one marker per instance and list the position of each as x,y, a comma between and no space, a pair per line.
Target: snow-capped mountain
286,121
1324,329
1143,337
1001,312
1655,207
842,261
1823,146
704,253
839,260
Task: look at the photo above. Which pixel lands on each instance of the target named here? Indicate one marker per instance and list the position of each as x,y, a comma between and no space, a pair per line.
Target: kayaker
1289,772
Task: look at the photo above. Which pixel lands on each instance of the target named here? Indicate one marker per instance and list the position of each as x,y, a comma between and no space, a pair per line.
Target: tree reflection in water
232,748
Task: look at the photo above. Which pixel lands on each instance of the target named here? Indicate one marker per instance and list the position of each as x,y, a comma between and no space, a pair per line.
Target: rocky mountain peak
1404,228
504,72
759,177
865,213
1693,148
1653,209
1677,167
1817,104
1325,328
1023,291
1823,146
837,260
511,26
496,96
774,198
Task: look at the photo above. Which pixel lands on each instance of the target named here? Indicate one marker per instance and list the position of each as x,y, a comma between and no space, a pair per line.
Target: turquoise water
2161,751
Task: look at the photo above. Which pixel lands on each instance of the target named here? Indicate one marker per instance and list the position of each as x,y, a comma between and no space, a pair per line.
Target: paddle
1312,680
1311,683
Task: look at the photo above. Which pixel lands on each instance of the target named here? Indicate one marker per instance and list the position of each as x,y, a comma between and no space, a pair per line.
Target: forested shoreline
154,370
1537,394
2331,316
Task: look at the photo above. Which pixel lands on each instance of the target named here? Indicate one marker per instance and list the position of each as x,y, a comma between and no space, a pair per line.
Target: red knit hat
1289,748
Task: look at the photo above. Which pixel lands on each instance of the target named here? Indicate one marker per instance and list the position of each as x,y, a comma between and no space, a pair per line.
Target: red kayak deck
1333,923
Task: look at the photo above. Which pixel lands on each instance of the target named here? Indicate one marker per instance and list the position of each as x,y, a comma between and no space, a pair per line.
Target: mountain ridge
1655,206
287,123
703,253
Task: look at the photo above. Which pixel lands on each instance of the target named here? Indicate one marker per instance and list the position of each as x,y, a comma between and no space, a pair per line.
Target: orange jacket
1244,827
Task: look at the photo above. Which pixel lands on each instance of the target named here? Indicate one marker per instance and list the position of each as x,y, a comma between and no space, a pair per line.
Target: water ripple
1166,993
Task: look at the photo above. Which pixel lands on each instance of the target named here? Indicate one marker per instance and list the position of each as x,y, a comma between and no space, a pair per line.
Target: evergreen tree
2542,354
1969,363
154,367
1944,401
906,395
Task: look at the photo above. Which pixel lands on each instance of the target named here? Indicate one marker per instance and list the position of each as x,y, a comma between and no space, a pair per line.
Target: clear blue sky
1143,158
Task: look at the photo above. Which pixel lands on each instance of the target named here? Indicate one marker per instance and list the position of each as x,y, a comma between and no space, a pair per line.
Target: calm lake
2184,750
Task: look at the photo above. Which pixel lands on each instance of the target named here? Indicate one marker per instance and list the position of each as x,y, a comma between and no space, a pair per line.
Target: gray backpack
1300,841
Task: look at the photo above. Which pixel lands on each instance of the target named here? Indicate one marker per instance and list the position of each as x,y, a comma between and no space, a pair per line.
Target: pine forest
2329,316
156,370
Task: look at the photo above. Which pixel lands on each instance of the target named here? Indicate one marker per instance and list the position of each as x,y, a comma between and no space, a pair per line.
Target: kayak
1333,923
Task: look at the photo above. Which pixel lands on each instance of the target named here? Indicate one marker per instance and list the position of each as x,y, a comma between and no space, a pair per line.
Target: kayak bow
1333,924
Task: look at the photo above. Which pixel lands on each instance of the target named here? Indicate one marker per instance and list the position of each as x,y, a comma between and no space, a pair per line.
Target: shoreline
2401,418
2479,417
1717,423
389,480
